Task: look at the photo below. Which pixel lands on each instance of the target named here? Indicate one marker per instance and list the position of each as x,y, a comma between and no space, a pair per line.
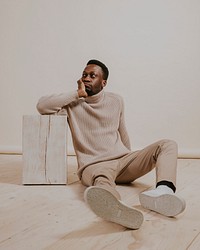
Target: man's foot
108,207
162,200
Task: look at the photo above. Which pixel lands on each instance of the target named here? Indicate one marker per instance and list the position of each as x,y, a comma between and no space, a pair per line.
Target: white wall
151,48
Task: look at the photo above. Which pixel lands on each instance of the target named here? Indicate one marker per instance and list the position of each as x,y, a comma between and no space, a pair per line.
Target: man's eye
93,75
84,75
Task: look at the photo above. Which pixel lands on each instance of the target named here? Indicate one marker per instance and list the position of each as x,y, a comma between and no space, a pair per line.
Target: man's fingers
80,84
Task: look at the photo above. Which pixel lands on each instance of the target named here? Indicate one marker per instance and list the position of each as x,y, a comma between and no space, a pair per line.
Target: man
102,146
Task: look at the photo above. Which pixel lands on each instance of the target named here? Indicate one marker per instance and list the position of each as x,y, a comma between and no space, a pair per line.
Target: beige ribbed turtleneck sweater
96,122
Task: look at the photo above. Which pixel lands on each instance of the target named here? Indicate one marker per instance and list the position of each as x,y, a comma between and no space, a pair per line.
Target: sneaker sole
106,206
166,204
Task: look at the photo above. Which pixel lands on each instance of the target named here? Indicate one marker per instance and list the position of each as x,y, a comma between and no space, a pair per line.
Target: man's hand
81,89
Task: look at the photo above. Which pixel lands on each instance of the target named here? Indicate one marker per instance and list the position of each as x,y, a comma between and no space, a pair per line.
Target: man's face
92,77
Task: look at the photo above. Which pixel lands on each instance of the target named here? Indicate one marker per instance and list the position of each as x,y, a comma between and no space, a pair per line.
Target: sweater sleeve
122,129
52,104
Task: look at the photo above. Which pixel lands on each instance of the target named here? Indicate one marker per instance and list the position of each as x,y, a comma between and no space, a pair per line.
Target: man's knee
167,143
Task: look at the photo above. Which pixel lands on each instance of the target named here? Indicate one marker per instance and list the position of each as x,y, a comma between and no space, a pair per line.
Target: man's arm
123,131
52,104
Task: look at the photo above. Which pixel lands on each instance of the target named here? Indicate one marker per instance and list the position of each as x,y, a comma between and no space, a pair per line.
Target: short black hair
103,67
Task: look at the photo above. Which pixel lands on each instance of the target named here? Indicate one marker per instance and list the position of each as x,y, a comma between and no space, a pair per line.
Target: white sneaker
108,207
162,200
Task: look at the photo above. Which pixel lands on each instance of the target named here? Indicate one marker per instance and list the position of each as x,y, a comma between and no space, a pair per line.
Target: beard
89,92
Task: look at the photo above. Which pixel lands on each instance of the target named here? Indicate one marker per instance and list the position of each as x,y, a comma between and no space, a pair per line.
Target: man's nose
87,78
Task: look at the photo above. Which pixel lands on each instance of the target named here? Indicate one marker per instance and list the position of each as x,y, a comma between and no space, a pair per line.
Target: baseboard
10,149
183,153
18,150
189,153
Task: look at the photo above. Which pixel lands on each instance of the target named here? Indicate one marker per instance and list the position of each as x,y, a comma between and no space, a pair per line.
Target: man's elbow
41,109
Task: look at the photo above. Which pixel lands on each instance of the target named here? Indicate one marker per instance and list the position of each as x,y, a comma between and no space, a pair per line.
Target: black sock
167,183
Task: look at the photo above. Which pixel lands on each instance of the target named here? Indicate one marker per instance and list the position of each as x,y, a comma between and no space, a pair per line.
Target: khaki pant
161,155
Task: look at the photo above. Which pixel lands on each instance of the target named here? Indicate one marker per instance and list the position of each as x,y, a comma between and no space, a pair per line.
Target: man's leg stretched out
104,200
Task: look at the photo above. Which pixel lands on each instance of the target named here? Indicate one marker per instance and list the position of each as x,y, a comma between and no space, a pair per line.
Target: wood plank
195,244
44,149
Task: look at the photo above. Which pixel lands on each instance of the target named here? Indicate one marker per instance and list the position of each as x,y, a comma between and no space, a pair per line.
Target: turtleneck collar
95,98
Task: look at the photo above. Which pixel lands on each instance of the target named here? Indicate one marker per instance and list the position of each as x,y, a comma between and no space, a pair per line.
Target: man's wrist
81,93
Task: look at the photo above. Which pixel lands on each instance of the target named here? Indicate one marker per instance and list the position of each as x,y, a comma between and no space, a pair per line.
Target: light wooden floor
56,217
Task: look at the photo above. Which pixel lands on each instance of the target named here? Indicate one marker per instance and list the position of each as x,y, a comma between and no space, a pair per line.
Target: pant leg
103,175
161,155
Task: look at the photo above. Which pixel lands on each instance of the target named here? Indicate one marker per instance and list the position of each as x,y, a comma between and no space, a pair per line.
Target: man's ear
104,82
